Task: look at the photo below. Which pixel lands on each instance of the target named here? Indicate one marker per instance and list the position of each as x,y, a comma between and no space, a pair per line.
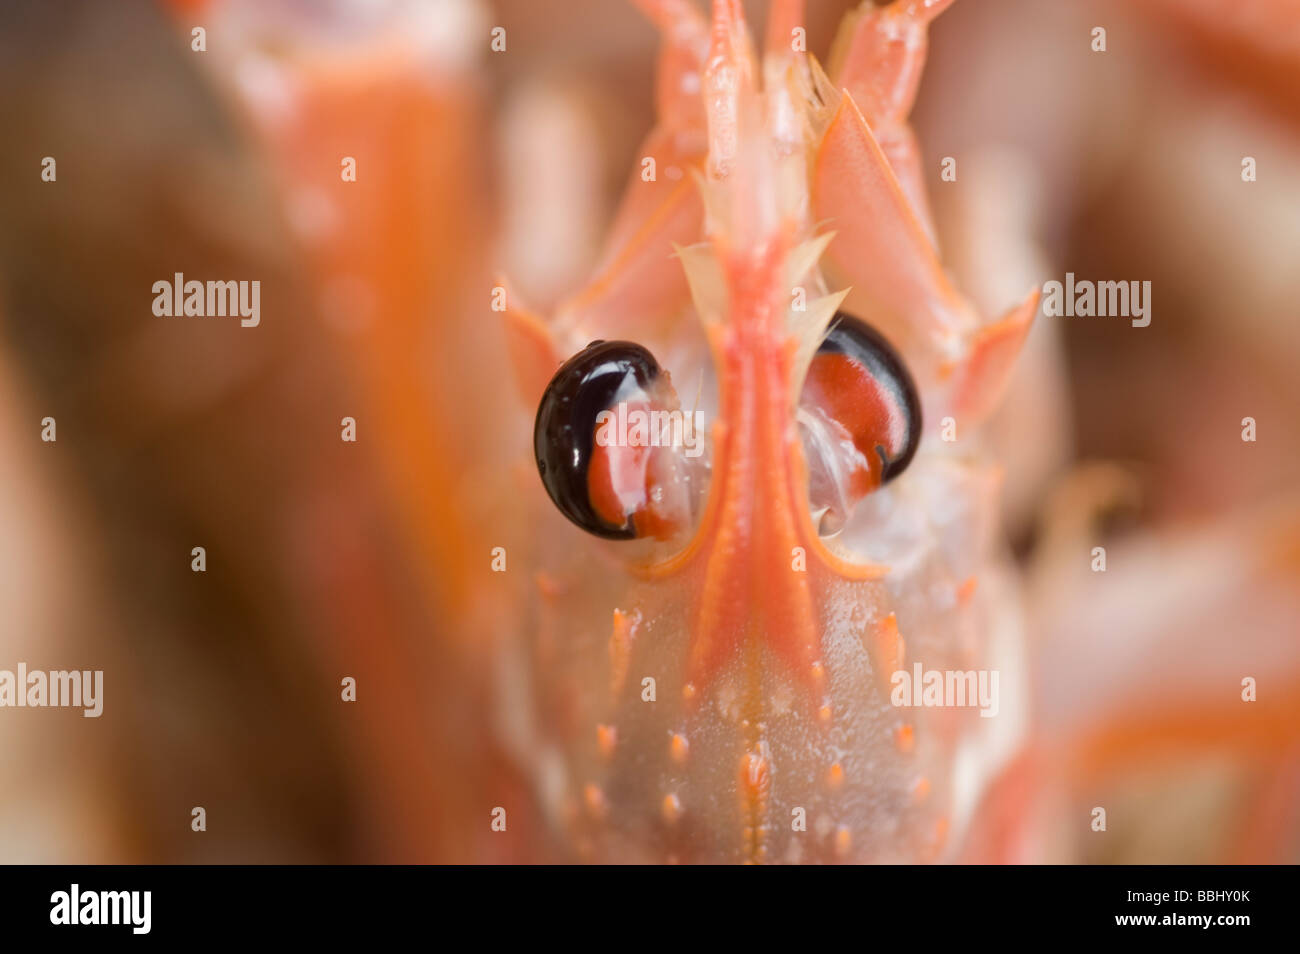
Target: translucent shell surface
734,692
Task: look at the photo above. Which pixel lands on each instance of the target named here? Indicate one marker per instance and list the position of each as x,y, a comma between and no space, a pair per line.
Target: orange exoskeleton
725,686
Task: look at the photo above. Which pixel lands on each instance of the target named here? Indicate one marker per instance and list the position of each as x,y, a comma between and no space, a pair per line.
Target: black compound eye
564,434
859,382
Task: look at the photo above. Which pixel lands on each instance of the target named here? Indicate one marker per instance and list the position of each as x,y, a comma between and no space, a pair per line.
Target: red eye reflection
860,415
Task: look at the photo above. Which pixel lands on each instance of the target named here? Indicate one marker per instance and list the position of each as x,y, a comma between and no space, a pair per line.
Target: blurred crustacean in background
373,559
1129,164
388,95
325,559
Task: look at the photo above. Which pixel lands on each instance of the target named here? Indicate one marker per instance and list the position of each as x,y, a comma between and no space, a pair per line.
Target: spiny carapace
718,688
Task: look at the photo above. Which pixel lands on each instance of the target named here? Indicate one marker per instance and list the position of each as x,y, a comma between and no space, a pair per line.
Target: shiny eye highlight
599,444
860,417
